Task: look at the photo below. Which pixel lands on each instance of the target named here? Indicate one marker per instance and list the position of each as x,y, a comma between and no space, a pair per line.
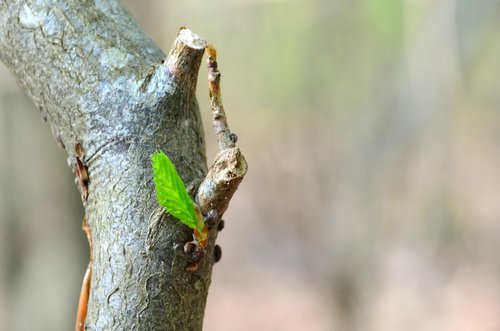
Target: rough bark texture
102,83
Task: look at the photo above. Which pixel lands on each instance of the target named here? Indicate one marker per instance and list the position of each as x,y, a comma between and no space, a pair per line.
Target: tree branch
111,99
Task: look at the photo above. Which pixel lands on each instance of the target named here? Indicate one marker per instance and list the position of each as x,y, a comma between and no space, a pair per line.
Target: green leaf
171,192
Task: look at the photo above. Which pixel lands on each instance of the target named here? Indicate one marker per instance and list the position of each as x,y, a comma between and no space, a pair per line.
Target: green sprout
172,195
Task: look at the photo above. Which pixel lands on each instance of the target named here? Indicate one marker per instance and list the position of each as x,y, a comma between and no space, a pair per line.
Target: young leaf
171,192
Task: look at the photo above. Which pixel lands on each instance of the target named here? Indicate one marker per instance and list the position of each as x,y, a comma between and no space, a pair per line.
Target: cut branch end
184,58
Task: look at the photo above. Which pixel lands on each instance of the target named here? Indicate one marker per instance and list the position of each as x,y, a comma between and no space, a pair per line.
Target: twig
225,139
229,167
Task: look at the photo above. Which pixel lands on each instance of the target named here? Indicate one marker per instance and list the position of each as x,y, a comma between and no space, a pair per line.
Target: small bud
197,255
233,137
212,218
221,225
189,247
217,253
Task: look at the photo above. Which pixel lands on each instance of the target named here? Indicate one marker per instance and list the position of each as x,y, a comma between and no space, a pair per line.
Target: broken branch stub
184,58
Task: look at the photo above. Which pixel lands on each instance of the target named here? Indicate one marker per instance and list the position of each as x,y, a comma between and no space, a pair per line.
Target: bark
112,98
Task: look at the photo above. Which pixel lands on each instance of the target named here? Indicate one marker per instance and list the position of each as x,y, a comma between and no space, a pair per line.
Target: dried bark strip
82,176
87,279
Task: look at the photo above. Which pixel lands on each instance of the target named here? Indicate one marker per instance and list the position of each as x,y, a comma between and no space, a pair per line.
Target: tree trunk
112,98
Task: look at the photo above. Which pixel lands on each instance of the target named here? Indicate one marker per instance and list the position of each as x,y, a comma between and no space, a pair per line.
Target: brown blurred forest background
372,202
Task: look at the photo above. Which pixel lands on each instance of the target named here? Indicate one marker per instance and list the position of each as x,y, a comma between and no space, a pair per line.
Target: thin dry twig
225,139
229,167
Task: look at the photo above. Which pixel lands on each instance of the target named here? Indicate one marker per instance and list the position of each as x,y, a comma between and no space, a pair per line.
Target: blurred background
372,132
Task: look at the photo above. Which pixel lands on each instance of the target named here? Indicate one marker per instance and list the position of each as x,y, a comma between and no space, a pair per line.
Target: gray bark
101,82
